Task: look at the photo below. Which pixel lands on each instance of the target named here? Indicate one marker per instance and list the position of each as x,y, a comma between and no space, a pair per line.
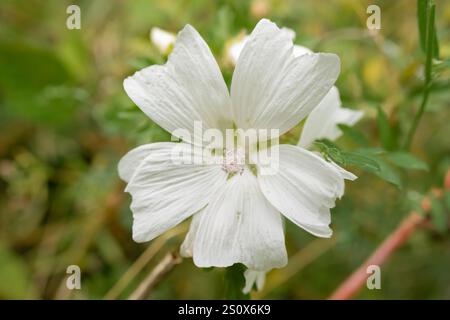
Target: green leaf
427,28
430,45
422,22
362,161
330,151
388,173
384,170
235,282
354,134
407,161
385,130
367,159
344,158
438,215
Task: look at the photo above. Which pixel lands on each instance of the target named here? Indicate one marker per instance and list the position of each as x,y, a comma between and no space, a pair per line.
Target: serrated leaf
354,134
407,161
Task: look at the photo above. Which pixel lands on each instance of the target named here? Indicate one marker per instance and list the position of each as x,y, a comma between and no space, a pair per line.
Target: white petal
323,120
272,89
166,191
300,50
304,189
289,32
253,277
235,50
162,39
131,161
344,173
239,225
187,246
188,88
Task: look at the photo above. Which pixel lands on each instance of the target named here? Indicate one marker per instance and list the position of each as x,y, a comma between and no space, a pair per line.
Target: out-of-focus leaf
438,215
388,173
415,199
28,75
14,276
354,134
384,170
385,130
362,161
447,199
406,160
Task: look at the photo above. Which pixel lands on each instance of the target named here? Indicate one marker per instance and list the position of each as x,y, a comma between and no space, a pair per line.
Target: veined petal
186,249
300,50
131,161
167,188
272,89
188,88
323,120
239,225
236,48
304,189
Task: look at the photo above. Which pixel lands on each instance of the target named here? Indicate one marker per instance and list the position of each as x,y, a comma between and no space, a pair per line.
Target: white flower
236,214
322,122
162,39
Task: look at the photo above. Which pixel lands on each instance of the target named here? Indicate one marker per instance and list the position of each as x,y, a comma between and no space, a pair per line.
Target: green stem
429,48
417,118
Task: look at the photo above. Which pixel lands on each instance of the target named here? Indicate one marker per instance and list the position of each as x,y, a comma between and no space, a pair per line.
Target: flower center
234,161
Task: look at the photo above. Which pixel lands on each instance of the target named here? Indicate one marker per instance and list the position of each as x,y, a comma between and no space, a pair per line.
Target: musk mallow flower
236,211
321,123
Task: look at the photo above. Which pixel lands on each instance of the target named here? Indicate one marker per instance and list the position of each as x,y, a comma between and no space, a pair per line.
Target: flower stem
430,48
417,118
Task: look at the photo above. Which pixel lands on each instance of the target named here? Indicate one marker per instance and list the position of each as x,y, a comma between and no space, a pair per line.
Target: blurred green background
65,121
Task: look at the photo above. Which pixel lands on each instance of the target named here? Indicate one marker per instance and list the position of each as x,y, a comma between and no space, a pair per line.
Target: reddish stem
353,283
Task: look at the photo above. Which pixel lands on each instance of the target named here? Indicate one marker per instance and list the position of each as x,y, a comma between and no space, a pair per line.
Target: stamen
234,161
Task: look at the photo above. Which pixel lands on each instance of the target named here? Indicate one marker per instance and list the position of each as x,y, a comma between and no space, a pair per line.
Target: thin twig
164,267
358,278
142,261
396,239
